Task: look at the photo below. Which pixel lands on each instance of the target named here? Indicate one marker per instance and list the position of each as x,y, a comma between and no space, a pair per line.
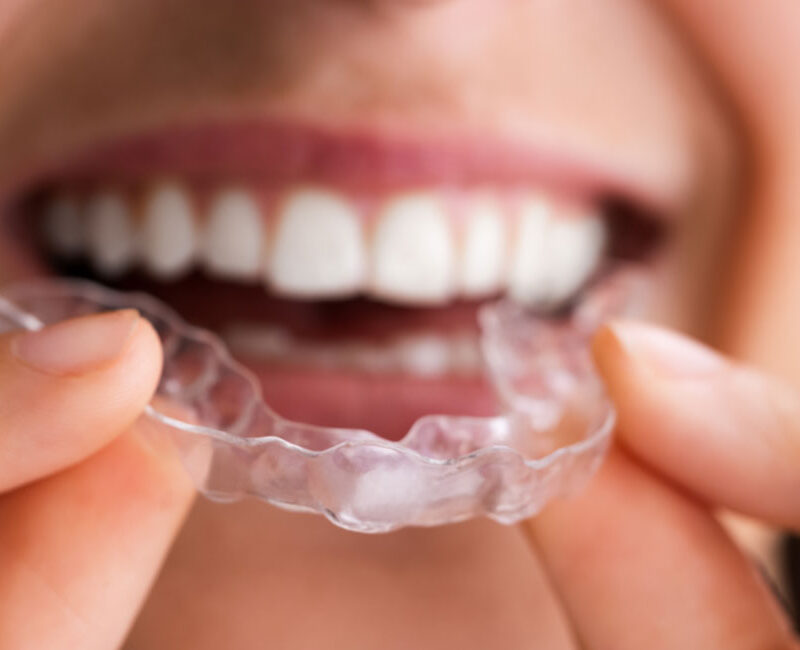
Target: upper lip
278,153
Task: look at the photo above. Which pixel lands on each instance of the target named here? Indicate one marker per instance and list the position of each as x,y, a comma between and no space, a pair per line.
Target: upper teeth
110,235
483,258
416,247
555,252
234,238
413,251
319,246
168,232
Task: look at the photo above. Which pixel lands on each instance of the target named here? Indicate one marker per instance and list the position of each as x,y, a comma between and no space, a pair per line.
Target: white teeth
576,246
528,274
466,357
318,244
555,253
413,251
421,355
63,226
234,236
168,234
371,359
425,356
111,238
319,248
483,255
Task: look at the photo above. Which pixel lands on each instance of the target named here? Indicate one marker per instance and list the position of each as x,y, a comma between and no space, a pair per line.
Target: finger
68,389
721,430
80,549
638,565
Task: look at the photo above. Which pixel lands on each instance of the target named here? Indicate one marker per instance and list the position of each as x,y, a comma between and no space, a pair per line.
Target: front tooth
528,276
483,254
413,251
64,227
557,250
319,246
109,232
168,236
234,236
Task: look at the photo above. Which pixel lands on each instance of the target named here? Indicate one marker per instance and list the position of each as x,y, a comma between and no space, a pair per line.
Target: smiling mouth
346,268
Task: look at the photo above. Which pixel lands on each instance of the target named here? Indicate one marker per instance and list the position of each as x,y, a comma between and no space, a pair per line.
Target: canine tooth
64,226
413,251
109,232
528,277
557,250
575,246
319,246
483,255
234,236
168,237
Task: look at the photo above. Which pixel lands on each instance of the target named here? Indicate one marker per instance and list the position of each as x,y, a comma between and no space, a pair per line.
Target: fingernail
665,352
77,346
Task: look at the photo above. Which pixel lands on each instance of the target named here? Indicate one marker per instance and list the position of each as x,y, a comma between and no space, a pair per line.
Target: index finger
723,431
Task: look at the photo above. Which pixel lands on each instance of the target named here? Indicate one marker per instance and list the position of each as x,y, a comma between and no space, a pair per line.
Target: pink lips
277,153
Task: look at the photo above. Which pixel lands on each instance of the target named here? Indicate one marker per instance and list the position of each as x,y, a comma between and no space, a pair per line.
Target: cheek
701,263
751,53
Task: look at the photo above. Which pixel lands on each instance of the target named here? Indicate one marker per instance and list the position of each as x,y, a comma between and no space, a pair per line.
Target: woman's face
596,111
441,135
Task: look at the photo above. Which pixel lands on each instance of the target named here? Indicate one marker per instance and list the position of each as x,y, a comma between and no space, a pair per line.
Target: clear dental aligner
555,427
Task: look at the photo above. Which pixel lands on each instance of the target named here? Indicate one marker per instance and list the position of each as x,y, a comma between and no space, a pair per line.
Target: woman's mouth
349,269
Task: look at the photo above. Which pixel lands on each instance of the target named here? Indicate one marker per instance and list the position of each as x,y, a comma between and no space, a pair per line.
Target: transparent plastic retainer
552,434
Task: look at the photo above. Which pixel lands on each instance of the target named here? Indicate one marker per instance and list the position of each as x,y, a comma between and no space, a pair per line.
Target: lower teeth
419,355
424,247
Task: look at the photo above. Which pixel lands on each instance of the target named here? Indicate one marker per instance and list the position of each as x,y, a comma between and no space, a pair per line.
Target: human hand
639,560
88,506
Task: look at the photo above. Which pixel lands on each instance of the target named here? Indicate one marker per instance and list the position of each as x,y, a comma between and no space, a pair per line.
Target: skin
699,92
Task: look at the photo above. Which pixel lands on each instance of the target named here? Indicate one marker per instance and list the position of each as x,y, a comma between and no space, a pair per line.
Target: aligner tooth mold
553,431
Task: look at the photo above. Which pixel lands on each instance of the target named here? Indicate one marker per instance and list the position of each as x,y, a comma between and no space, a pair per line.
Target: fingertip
607,348
144,351
662,352
724,432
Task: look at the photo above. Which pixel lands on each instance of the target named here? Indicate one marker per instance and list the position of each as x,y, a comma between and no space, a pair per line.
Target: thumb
68,389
